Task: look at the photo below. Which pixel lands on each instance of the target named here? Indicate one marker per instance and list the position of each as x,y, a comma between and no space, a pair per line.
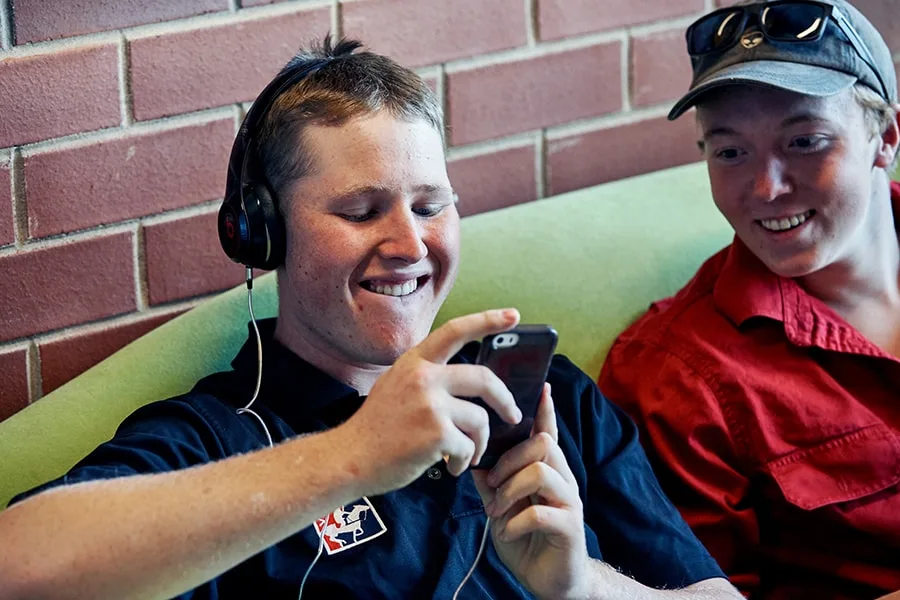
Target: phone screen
520,358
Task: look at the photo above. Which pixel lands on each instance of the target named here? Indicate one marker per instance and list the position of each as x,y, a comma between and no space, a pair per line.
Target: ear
889,143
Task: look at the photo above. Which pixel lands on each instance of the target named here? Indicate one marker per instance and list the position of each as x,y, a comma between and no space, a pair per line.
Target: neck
299,339
867,276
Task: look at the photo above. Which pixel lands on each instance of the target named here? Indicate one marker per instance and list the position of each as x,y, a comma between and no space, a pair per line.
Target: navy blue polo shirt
419,541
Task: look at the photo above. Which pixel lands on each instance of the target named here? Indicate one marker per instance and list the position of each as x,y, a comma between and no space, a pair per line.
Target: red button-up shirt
774,426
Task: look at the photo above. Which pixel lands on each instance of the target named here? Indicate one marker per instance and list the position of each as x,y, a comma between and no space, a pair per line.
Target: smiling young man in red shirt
768,389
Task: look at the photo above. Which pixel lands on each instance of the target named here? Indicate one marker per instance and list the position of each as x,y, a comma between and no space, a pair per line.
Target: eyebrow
718,131
369,191
802,118
789,122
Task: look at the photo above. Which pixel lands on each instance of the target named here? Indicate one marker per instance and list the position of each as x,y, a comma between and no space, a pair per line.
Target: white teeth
786,223
403,289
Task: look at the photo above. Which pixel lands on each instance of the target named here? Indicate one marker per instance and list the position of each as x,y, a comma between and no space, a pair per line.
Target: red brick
507,98
191,70
660,68
582,161
453,29
66,285
58,93
563,18
124,179
66,358
37,20
13,382
7,233
493,181
184,259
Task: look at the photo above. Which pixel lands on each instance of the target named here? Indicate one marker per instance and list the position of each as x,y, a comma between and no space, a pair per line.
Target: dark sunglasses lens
714,32
793,22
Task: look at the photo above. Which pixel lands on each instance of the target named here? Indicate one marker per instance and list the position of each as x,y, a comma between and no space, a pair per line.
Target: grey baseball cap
820,68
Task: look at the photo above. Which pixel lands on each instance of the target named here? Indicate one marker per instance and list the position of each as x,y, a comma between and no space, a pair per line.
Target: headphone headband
251,229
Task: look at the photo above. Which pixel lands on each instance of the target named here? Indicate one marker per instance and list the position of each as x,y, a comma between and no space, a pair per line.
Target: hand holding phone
521,359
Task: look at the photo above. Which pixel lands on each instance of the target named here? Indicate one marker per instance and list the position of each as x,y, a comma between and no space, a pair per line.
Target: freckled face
372,239
793,174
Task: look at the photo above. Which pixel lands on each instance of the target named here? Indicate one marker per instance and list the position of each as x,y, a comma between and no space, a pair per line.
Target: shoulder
686,334
581,407
565,376
204,416
675,315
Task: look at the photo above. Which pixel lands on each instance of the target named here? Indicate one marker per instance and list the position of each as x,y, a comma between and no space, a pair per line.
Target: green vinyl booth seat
587,262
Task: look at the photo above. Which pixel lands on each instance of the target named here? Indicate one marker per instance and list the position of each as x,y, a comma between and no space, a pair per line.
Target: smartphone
521,358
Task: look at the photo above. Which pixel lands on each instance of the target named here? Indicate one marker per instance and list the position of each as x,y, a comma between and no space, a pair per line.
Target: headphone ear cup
234,234
265,240
274,228
256,250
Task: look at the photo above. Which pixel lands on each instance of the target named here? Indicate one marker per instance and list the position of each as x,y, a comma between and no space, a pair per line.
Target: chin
792,268
387,351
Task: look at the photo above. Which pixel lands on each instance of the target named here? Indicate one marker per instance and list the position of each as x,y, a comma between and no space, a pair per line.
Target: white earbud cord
259,360
248,410
484,536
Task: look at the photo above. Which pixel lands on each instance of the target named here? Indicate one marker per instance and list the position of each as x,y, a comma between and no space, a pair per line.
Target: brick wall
116,120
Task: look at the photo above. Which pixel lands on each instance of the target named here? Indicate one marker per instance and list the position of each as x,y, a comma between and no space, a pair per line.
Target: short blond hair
879,114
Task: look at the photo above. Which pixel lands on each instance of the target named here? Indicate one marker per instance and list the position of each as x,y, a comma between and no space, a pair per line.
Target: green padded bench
587,262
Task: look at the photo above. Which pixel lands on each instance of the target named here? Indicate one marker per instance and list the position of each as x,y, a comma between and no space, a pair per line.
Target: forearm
157,536
605,583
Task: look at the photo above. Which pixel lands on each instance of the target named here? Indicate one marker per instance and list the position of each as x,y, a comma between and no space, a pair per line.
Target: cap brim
793,77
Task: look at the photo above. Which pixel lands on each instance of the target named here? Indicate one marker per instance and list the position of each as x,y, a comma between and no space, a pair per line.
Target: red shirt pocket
842,469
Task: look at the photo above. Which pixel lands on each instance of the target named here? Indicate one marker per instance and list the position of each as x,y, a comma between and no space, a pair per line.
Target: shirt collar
746,289
291,387
294,389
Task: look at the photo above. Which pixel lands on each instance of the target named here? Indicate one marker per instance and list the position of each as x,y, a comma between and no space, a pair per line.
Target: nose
772,180
402,237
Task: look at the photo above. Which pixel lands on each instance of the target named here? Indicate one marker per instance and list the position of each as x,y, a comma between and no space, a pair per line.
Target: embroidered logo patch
350,525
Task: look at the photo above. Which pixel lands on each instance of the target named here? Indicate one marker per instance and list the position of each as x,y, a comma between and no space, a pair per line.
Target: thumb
487,493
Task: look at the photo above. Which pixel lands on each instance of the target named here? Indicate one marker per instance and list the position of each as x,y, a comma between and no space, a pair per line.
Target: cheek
322,254
725,196
444,243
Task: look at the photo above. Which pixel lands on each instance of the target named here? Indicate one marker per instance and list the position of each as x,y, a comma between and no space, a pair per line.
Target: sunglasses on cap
793,21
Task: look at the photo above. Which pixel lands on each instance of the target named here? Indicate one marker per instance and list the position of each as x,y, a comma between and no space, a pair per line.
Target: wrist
347,462
590,582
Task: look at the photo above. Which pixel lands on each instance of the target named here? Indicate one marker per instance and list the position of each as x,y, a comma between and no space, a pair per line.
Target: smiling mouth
787,223
395,289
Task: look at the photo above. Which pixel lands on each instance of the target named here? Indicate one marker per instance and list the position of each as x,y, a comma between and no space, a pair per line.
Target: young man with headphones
334,459
768,389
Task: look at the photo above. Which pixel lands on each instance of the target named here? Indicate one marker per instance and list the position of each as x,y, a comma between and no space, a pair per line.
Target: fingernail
510,313
489,509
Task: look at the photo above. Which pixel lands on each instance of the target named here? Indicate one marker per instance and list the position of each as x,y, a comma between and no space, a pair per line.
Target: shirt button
433,473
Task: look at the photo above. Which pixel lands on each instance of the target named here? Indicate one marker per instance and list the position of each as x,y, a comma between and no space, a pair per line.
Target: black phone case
523,368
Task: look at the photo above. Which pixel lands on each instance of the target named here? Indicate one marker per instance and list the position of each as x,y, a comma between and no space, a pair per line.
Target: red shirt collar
746,288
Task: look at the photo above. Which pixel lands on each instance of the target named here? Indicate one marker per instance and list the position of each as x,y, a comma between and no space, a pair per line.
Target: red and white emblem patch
350,525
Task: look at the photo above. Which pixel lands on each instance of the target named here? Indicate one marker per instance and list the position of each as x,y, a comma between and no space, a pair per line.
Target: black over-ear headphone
251,229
